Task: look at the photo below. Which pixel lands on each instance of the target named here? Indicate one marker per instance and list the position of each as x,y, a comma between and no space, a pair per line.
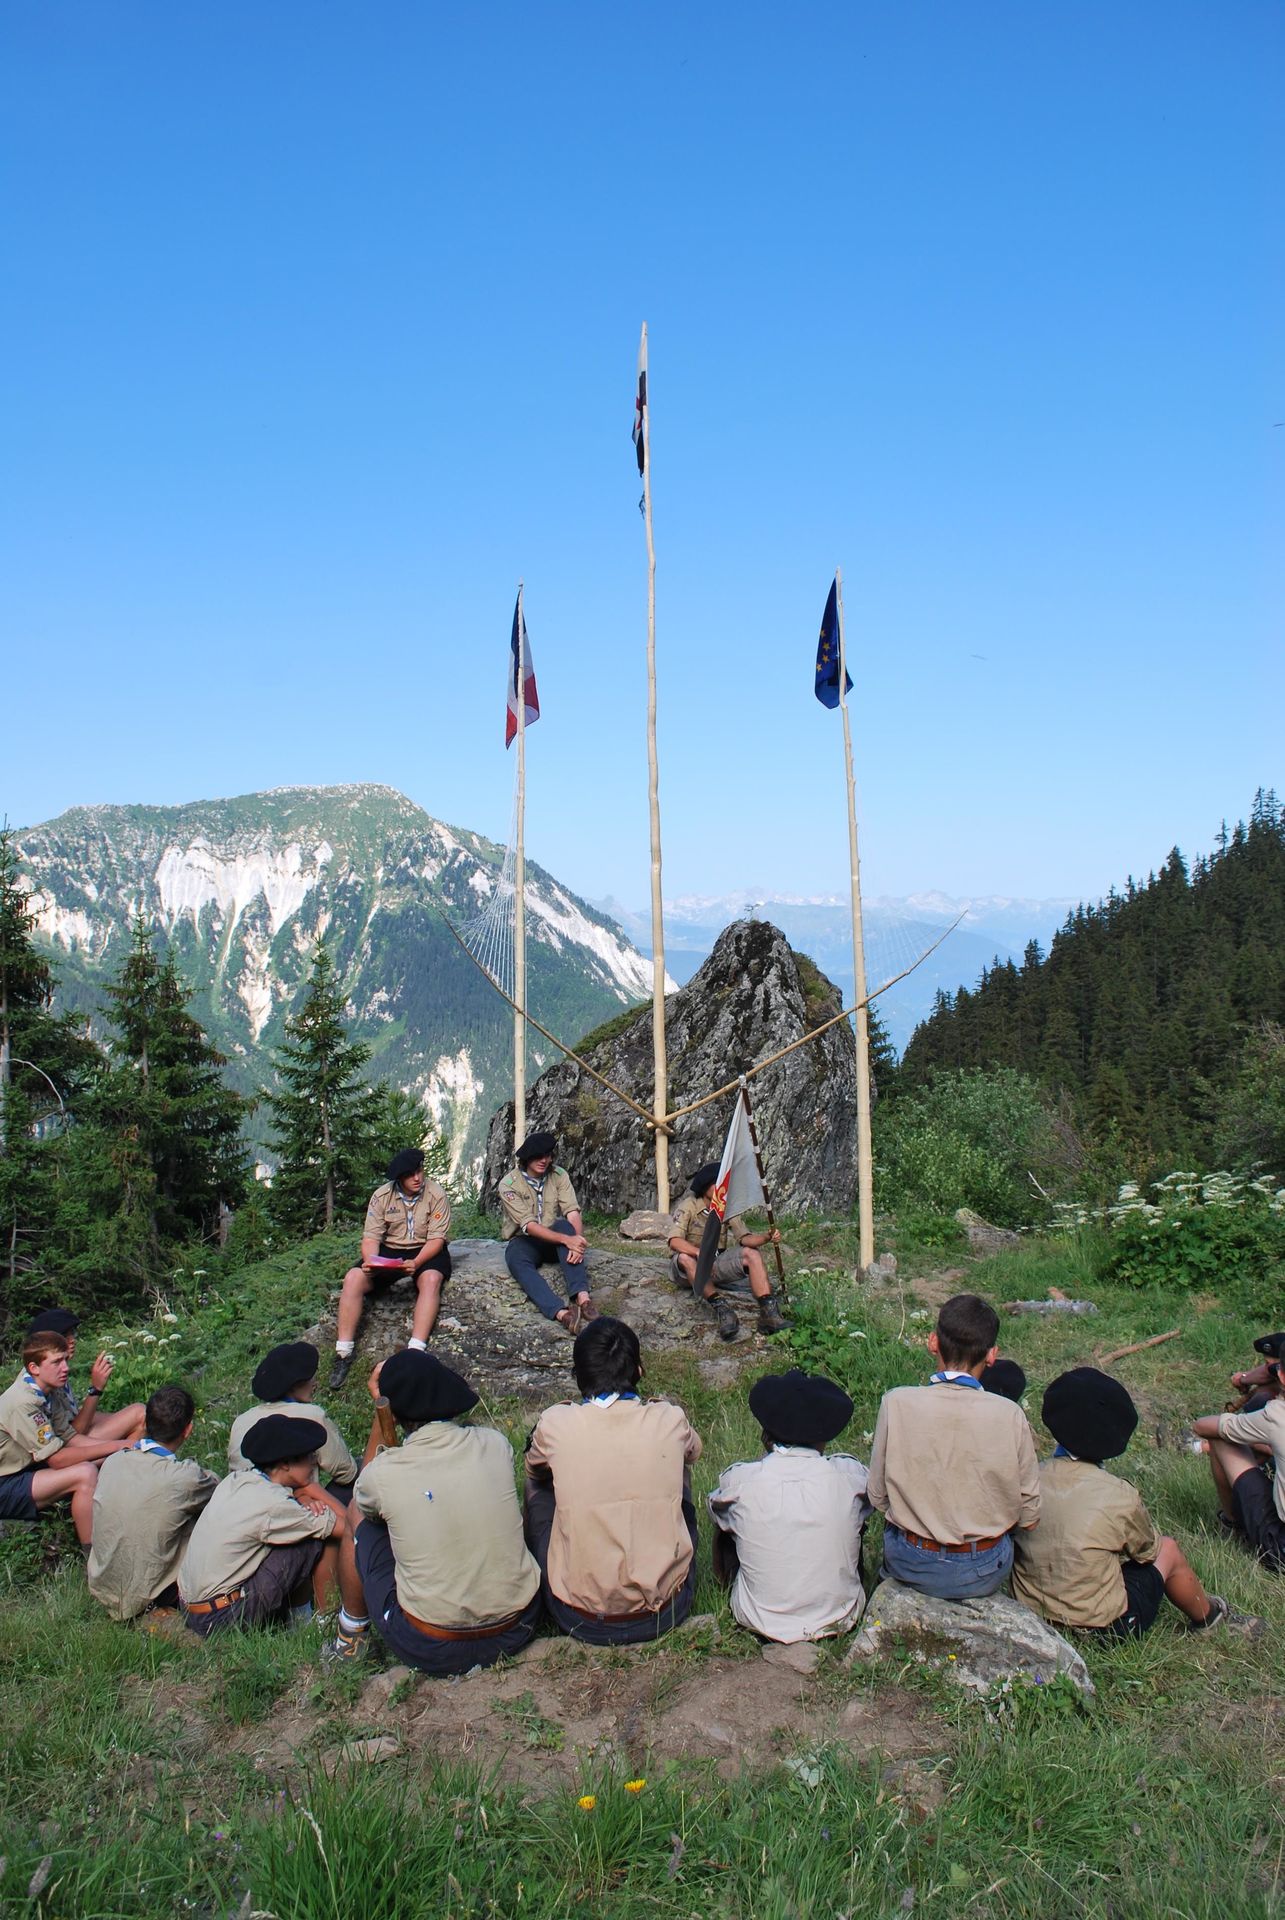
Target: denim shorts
946,1576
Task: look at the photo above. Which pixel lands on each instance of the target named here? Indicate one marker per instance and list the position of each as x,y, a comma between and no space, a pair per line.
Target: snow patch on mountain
191,878
563,920
451,1096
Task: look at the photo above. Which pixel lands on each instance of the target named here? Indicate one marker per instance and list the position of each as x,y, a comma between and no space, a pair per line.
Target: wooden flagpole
660,1092
767,1198
519,894
865,1158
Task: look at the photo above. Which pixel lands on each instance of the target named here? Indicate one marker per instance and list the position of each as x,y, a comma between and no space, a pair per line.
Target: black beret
282,1436
800,1409
54,1320
418,1388
284,1367
1271,1345
536,1146
1089,1414
704,1177
409,1160
1005,1377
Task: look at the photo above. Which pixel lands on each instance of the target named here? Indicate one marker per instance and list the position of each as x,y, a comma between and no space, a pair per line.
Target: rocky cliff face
243,888
752,996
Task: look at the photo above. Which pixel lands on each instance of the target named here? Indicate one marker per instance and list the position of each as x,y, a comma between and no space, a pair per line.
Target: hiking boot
771,1319
588,1313
340,1371
728,1324
346,1648
1246,1626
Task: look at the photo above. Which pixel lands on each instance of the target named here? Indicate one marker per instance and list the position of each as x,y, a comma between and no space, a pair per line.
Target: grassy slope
1160,1798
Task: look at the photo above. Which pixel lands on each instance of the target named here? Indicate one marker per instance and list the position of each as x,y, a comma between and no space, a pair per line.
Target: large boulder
753,996
978,1643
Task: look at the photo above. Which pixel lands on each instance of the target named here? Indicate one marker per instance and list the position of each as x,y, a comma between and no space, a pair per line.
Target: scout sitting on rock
1251,1500
69,1416
266,1533
609,1513
407,1223
28,1441
438,1552
953,1468
286,1377
1096,1561
791,1524
732,1265
541,1224
145,1506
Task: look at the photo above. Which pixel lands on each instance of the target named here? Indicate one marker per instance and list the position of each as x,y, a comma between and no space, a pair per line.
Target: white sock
345,1348
352,1623
417,1346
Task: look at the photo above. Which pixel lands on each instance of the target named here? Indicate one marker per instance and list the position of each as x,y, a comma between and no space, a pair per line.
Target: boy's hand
101,1371
311,1497
372,1385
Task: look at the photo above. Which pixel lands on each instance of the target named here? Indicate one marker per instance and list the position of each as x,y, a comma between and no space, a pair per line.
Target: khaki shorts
728,1270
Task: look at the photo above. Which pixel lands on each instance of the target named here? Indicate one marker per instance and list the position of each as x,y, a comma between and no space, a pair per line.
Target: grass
130,1783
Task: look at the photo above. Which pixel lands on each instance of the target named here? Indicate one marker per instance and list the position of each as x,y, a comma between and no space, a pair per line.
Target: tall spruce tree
326,1119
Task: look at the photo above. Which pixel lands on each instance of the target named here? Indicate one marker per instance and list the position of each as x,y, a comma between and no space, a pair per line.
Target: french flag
521,677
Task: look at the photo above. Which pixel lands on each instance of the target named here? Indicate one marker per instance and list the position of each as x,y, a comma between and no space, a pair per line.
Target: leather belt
463,1633
937,1546
619,1619
219,1604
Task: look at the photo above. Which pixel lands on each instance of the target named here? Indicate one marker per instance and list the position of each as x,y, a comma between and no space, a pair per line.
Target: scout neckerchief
146,1445
949,1377
606,1399
537,1188
35,1386
409,1201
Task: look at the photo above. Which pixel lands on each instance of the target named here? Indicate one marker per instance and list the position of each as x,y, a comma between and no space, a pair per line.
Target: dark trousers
282,1579
378,1569
524,1258
541,1505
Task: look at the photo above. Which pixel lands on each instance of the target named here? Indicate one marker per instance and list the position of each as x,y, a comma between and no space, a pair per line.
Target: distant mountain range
243,888
897,932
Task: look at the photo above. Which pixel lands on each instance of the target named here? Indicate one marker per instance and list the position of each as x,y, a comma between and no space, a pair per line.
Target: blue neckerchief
957,1380
537,1188
605,1399
36,1389
145,1445
1064,1453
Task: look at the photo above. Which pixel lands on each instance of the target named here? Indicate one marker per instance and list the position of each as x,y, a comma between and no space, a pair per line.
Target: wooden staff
519,893
660,1085
767,1201
865,1156
385,1422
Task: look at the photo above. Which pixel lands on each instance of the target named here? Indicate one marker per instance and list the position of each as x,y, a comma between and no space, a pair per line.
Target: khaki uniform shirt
393,1218
246,1517
27,1434
521,1204
145,1506
334,1459
797,1516
1266,1428
1068,1568
448,1500
619,1543
63,1408
953,1464
689,1219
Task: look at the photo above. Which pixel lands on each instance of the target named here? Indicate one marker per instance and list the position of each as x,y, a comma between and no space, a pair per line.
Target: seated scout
953,1468
1259,1384
609,1513
407,1223
732,1265
267,1534
286,1377
1096,1561
541,1224
145,1506
1006,1377
791,1523
1251,1499
28,1441
69,1416
438,1554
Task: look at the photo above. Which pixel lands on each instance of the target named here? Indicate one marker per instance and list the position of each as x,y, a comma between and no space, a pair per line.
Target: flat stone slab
978,1643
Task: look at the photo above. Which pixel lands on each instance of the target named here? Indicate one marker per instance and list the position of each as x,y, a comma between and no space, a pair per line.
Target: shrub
973,1139
1216,1231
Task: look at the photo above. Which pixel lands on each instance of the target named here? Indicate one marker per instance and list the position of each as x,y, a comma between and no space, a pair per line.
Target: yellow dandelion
950,1656
587,1802
634,1786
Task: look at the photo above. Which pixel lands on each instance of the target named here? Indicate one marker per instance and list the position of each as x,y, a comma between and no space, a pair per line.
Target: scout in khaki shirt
438,1552
407,1225
265,1534
733,1265
1251,1502
953,1468
790,1524
28,1442
609,1511
286,1378
86,1420
541,1223
145,1506
1095,1561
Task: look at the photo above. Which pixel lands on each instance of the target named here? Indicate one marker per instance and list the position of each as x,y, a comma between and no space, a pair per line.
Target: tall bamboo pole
865,1158
519,894
660,1093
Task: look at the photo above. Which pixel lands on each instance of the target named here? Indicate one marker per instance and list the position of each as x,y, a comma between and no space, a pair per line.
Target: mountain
243,888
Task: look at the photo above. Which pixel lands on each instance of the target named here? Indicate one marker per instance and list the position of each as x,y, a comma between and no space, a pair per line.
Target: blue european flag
827,682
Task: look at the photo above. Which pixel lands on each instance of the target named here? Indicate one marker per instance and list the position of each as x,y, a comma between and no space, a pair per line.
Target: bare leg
1222,1485
351,1592
760,1285
429,1298
352,1296
127,1424
1227,1461
55,1483
325,1576
1181,1584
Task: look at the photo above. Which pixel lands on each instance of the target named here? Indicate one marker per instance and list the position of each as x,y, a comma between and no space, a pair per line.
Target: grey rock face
752,996
978,1643
983,1238
645,1224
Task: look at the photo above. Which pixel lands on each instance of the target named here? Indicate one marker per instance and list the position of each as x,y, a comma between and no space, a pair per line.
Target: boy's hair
168,1414
967,1329
607,1357
38,1346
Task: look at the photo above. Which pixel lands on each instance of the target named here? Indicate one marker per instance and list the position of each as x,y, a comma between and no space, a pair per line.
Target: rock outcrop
978,1643
753,996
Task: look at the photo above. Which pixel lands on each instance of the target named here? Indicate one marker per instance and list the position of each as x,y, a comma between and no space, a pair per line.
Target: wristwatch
92,1393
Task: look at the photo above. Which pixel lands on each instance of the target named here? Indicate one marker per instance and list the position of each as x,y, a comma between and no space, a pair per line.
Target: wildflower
634,1786
587,1802
170,1319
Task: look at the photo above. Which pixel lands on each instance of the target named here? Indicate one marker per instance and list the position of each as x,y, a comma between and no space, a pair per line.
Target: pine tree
325,1117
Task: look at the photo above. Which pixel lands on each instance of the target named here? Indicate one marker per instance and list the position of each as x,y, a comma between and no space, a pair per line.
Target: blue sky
317,331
